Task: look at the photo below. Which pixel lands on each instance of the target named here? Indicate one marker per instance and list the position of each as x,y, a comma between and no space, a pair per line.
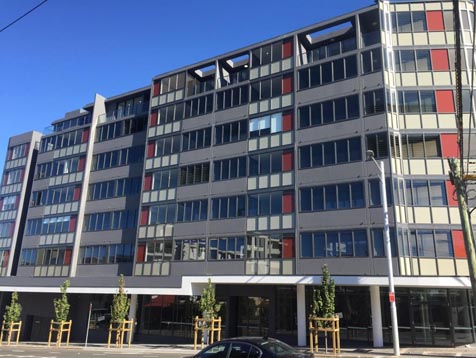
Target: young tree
323,302
120,303
12,311
61,304
208,305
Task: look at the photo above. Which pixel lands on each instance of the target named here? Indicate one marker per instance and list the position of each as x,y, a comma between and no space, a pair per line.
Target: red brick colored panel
450,193
288,203
1,203
288,161
444,101
81,164
144,216
67,256
434,21
287,122
22,175
27,149
72,223
153,119
5,179
439,60
77,193
10,154
449,145
12,229
150,149
287,48
85,136
288,247
458,244
156,89
6,256
17,201
287,84
147,182
140,253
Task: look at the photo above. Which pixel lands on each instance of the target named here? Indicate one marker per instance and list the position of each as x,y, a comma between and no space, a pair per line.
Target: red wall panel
287,48
72,223
287,122
150,149
153,119
288,161
287,84
77,193
450,191
458,244
67,256
288,247
156,89
449,145
6,256
81,164
148,182
85,136
10,154
439,60
140,253
288,203
444,101
144,216
434,20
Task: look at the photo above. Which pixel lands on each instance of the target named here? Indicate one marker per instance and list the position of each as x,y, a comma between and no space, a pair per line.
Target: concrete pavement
186,350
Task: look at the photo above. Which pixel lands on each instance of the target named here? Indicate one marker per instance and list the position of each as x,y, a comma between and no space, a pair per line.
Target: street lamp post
388,251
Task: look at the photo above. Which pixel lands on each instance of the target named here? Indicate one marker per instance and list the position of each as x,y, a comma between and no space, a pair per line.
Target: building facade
250,168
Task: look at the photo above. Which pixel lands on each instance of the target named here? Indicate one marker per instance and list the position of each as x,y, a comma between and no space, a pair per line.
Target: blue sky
55,59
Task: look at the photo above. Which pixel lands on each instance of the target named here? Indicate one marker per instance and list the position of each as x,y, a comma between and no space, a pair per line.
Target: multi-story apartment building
250,168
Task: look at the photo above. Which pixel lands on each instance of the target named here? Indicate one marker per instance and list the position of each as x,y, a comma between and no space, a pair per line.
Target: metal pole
388,249
89,321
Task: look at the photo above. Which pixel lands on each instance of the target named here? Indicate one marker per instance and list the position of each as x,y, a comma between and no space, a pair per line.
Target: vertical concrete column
377,331
301,314
132,314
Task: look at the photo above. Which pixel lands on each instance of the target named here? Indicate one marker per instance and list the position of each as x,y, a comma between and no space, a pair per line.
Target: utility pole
457,165
460,186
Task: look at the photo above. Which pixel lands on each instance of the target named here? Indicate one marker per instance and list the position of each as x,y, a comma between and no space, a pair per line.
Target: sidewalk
186,350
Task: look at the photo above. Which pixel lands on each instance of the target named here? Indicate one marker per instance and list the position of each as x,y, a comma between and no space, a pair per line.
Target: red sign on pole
391,297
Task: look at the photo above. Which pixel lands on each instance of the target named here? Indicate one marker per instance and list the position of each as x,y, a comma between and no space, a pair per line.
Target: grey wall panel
230,267
338,266
229,187
197,122
108,237
190,230
192,192
195,156
230,227
188,268
121,203
333,220
105,270
122,142
328,175
323,93
231,150
232,114
26,271
125,171
321,134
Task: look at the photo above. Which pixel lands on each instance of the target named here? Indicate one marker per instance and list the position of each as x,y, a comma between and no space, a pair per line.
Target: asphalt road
70,352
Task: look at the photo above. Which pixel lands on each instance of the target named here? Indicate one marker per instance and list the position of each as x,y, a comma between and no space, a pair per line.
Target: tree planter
208,327
119,329
9,329
319,324
59,328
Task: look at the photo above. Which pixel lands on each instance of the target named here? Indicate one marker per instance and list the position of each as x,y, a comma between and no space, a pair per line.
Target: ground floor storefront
426,316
